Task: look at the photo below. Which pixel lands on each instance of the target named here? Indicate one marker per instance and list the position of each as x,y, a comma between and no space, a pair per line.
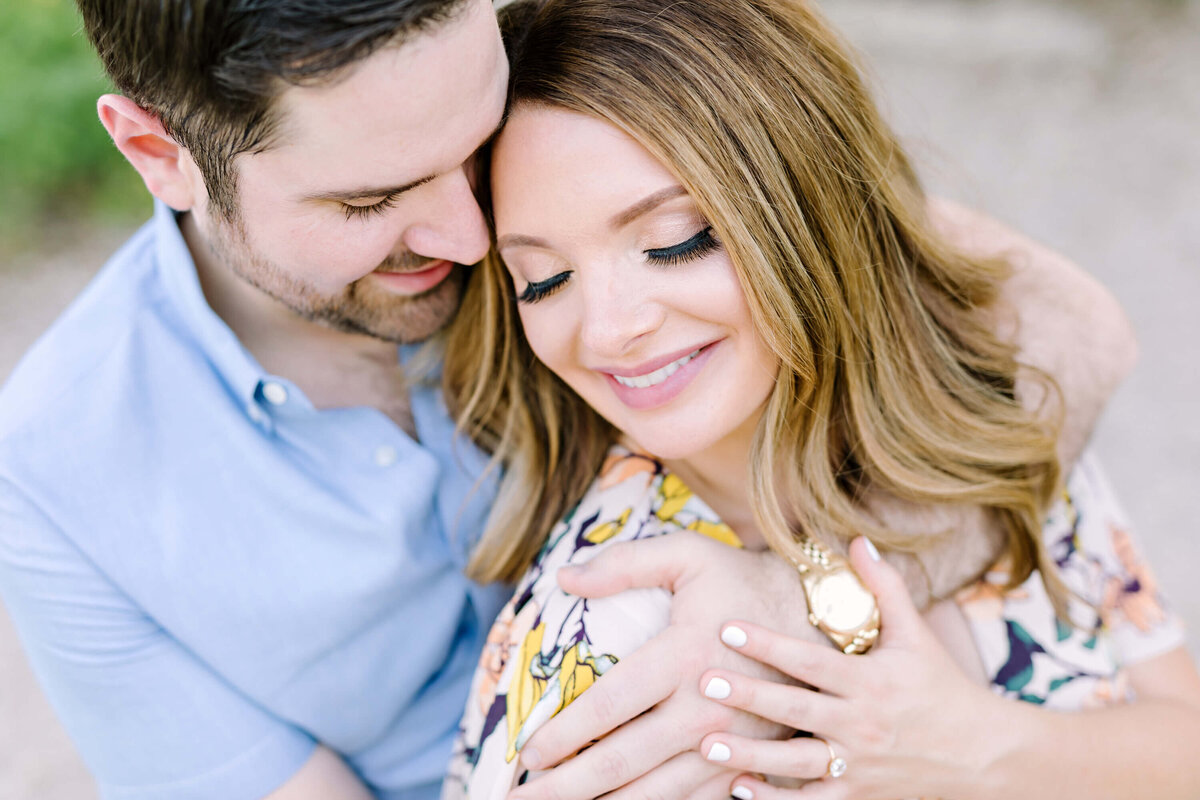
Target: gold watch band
826,567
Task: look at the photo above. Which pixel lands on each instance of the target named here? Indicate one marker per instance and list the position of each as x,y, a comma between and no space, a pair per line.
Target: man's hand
648,712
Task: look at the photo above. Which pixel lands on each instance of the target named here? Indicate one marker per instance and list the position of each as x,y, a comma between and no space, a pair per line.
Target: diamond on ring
837,764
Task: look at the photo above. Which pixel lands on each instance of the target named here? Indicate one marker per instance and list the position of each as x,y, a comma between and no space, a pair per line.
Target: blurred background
1075,122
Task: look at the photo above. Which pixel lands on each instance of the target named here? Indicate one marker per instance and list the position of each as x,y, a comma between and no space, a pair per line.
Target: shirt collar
237,367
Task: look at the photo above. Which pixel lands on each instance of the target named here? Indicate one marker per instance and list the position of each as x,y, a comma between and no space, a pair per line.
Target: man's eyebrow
646,204
368,192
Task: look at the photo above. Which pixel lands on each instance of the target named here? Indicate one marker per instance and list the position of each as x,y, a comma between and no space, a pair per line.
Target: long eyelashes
362,212
698,246
536,290
694,248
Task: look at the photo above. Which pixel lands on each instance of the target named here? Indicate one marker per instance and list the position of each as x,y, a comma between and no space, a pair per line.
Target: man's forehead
430,97
437,77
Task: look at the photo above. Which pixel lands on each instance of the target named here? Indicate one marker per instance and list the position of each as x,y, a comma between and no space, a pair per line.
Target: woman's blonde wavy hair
891,376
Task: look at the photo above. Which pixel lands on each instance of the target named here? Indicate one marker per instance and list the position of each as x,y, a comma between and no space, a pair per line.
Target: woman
720,257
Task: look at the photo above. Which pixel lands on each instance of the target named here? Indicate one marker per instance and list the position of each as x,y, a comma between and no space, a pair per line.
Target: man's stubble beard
362,307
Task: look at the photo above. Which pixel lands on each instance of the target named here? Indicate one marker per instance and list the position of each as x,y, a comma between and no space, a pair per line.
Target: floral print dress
548,647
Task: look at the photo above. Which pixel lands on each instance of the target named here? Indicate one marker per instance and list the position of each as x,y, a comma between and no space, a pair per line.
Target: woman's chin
666,448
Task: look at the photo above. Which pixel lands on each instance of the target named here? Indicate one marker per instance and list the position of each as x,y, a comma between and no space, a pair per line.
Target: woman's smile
650,386
624,287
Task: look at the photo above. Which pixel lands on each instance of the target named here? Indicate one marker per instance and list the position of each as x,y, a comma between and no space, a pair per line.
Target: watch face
842,602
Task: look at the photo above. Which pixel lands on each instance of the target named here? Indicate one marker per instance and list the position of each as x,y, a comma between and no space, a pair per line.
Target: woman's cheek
539,333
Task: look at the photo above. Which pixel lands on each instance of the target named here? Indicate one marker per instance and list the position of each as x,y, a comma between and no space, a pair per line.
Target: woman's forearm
1149,748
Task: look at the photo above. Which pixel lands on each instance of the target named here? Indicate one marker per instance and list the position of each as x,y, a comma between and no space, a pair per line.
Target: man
210,574
231,526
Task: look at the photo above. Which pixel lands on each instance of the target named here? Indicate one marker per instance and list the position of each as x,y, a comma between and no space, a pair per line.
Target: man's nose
451,224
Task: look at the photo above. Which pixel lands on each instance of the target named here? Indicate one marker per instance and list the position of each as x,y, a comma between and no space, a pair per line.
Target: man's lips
416,281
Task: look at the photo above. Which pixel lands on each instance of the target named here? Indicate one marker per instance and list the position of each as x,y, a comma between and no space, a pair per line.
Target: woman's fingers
814,664
792,706
685,775
792,758
750,787
900,620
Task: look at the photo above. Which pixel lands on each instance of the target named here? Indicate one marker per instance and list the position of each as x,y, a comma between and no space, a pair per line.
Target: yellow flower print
673,497
526,688
579,671
546,685
602,533
716,530
674,494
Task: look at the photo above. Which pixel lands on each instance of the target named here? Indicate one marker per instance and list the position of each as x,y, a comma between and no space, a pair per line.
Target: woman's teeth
658,376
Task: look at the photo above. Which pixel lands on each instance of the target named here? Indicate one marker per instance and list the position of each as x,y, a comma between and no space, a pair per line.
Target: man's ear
161,161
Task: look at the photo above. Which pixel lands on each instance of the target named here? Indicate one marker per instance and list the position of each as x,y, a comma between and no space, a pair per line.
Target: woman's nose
617,314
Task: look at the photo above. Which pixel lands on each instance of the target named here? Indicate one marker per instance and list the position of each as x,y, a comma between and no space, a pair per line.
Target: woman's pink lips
662,393
412,283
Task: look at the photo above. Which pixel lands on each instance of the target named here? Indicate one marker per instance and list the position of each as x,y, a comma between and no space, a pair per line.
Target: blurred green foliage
57,164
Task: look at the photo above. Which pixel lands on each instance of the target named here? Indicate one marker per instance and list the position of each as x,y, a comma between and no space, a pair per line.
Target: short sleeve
1102,558
149,718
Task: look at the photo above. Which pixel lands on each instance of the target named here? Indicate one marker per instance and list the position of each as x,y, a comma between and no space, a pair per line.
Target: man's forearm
324,776
1063,321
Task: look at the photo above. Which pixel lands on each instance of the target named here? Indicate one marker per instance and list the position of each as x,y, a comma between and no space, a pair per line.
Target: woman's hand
902,721
648,713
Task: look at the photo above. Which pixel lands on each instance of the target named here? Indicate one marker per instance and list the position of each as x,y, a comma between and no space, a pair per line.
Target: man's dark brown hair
210,70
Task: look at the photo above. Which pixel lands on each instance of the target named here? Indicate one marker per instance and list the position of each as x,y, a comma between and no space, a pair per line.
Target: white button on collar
385,455
275,393
255,413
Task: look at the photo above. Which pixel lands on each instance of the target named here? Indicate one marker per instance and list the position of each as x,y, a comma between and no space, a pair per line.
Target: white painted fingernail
734,636
718,689
719,752
742,793
871,551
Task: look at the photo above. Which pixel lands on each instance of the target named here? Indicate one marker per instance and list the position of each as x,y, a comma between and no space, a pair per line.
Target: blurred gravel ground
1073,122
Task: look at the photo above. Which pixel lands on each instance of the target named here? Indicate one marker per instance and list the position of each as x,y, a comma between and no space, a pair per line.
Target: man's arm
1064,323
323,777
149,718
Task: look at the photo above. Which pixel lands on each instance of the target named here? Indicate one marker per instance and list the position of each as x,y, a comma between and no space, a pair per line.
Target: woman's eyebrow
646,204
520,240
620,220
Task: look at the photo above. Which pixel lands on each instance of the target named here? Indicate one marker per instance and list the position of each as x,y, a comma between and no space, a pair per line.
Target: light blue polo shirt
208,574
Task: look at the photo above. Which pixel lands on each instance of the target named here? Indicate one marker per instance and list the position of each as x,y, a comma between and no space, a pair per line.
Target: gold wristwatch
839,605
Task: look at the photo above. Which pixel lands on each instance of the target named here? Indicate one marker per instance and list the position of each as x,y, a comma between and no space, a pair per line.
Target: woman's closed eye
538,290
696,247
